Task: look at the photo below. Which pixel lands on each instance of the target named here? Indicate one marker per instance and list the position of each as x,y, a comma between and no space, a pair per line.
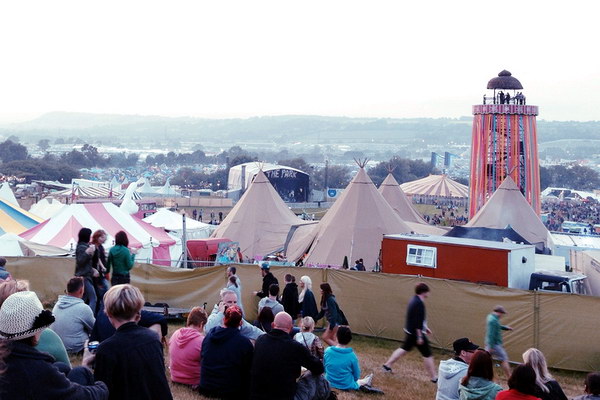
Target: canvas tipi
354,226
508,207
260,221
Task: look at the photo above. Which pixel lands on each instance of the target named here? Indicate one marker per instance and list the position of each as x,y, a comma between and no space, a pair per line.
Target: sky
217,59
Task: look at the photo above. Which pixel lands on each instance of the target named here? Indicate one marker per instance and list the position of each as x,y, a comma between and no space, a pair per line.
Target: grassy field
409,380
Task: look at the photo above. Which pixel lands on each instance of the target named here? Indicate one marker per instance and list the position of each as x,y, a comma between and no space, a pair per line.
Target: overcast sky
244,58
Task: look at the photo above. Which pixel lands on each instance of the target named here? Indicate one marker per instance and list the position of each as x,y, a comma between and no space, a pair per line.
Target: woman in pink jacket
185,346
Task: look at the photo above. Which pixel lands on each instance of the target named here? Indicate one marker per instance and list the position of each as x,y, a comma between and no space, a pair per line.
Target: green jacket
493,334
120,259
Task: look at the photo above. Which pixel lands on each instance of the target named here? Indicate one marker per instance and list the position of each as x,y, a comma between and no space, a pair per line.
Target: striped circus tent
154,244
89,192
436,185
14,219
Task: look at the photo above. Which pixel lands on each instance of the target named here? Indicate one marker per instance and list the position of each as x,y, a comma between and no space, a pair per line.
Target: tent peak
361,162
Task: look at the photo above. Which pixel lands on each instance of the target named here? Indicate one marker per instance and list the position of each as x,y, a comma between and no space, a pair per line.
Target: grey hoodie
74,322
276,306
450,373
479,389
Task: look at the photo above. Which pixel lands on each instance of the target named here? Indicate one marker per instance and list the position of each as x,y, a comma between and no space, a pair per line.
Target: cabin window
421,256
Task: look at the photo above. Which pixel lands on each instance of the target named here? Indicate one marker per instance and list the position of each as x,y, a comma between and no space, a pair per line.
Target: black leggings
119,279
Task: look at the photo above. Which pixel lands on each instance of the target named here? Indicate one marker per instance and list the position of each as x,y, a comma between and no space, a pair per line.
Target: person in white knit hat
28,373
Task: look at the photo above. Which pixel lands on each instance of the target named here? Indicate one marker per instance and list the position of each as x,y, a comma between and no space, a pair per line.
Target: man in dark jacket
416,333
290,296
131,361
277,362
226,359
84,252
268,280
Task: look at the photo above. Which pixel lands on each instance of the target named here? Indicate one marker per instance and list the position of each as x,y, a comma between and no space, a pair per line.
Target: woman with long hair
329,309
521,385
84,253
120,259
547,387
479,384
99,263
306,299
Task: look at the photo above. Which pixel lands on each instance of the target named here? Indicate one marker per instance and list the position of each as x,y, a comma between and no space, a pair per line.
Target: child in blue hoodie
341,364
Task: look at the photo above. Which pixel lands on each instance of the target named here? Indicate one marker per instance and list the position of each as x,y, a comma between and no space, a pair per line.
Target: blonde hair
123,302
11,287
308,323
536,360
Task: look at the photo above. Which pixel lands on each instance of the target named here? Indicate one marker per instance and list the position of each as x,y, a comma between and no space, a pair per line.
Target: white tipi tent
508,207
260,221
7,194
354,226
393,194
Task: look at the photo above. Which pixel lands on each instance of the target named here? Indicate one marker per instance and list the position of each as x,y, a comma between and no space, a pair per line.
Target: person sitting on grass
265,319
453,370
216,317
131,361
49,341
521,385
271,300
547,387
185,347
592,387
307,338
74,318
278,362
26,373
226,359
479,384
341,364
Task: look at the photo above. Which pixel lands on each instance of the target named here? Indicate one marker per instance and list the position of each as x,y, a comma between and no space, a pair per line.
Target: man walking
493,338
453,370
268,280
416,333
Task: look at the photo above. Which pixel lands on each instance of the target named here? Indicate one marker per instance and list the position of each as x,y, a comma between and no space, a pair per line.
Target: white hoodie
450,374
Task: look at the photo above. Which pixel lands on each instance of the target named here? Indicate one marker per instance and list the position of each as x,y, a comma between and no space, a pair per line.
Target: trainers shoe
434,380
387,369
369,379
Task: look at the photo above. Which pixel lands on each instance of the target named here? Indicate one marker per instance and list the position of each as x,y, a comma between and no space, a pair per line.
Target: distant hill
283,129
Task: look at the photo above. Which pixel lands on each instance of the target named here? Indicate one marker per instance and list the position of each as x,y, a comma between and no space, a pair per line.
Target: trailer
470,260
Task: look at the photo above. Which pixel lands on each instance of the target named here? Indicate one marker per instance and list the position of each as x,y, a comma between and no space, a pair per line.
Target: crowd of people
587,212
219,353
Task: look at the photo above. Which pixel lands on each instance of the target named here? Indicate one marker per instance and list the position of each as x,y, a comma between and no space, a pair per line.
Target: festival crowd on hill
587,212
220,354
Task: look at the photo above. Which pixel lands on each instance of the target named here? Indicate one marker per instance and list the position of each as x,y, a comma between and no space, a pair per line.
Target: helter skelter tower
504,143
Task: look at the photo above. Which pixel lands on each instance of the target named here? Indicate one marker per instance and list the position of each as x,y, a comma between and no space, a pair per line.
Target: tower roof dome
505,80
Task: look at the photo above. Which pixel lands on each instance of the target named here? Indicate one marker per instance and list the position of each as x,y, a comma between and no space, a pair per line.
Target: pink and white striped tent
156,246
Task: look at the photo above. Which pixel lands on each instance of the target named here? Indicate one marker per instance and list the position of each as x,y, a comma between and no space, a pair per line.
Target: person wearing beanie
493,337
226,359
30,374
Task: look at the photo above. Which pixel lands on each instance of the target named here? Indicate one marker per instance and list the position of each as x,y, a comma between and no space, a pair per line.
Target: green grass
409,380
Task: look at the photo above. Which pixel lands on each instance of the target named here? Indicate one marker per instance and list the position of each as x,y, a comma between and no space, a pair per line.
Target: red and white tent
156,246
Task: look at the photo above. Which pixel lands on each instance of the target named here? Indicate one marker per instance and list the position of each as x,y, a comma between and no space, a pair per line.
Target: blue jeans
89,296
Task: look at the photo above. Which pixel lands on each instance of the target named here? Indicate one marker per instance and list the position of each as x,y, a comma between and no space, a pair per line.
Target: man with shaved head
277,362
